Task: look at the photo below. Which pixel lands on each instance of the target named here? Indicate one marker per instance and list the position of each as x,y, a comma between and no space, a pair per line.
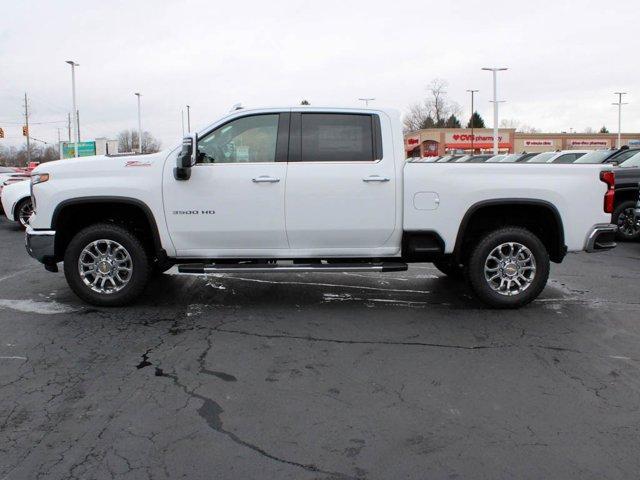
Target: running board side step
201,268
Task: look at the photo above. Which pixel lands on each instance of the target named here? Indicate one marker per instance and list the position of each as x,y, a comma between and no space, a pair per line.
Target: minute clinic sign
464,140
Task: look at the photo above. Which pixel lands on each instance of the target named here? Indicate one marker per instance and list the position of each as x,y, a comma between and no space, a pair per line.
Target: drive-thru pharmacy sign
590,143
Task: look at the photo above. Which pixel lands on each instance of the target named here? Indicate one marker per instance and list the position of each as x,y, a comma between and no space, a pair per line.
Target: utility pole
182,116
366,100
473,92
139,124
495,71
75,108
188,119
26,122
619,104
69,126
59,144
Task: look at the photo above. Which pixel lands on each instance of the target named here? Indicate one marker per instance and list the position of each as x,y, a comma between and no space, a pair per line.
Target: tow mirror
186,158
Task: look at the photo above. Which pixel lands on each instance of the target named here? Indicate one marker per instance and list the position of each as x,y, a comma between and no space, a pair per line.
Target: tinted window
328,137
633,161
247,139
566,158
624,155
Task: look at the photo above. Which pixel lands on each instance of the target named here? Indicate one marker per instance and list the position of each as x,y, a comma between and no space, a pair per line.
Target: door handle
375,178
265,179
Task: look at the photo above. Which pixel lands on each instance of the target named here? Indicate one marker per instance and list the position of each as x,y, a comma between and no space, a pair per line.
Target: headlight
39,178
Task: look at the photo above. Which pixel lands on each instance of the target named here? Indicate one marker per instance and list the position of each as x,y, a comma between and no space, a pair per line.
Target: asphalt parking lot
321,376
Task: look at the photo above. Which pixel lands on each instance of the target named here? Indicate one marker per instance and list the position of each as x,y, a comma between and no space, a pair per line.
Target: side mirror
186,158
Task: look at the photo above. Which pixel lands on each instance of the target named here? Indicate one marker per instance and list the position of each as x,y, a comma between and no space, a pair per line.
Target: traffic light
1,133
25,131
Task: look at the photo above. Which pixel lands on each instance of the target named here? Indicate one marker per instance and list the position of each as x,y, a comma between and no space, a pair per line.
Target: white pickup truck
311,189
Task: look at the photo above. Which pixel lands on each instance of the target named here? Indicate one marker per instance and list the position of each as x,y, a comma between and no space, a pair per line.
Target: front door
233,204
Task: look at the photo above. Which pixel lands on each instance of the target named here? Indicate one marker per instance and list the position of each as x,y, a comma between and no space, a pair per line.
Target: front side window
244,140
632,161
328,137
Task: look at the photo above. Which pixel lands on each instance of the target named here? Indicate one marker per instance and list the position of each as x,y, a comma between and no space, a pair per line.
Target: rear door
341,185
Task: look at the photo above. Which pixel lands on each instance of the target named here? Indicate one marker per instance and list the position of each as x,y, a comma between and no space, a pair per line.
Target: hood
100,164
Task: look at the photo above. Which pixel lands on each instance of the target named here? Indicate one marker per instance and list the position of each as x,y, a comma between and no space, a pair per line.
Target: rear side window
566,158
329,137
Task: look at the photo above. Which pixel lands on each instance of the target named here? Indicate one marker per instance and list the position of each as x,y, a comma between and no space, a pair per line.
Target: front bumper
40,244
602,237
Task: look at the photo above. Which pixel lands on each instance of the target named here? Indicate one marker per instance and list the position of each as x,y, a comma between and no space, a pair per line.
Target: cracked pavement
320,376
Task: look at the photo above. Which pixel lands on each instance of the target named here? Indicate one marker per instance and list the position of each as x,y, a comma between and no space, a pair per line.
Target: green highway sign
85,149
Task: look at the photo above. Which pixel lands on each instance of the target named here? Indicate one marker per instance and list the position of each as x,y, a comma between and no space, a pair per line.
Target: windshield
542,158
597,156
632,162
496,158
464,158
512,157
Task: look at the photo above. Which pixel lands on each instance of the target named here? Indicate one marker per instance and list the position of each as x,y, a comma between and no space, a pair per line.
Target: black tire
623,217
449,268
25,203
140,269
475,268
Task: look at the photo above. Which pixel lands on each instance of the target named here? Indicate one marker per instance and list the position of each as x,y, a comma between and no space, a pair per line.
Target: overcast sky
565,59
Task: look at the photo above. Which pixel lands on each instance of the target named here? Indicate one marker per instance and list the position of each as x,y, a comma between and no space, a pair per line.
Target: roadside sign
85,149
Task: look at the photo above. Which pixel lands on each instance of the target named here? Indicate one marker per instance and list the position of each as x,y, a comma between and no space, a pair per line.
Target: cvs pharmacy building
441,141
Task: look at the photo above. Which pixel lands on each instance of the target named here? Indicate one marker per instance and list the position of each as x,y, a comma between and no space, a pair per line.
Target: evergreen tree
427,122
305,102
475,121
452,122
604,130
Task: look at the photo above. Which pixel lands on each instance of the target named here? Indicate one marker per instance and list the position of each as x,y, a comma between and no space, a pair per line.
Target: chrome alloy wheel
510,268
26,209
627,223
105,266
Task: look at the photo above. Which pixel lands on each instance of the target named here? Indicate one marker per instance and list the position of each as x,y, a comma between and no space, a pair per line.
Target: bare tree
17,157
128,141
434,110
519,127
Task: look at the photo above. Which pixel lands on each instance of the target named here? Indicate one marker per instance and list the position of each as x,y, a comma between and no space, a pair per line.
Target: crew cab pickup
312,189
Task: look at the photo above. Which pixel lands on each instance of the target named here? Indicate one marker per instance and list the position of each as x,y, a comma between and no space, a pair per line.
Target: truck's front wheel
508,268
106,265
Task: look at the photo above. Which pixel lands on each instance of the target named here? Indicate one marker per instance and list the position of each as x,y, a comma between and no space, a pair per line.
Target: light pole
619,104
366,100
495,71
75,109
472,92
137,94
188,119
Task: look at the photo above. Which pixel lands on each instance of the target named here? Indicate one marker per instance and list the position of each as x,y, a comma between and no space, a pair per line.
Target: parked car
16,202
496,159
217,204
8,172
479,158
561,156
598,156
449,158
637,210
623,155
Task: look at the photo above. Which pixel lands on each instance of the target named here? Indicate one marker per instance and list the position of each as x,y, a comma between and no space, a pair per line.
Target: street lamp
472,92
495,71
75,109
366,100
188,119
619,104
137,94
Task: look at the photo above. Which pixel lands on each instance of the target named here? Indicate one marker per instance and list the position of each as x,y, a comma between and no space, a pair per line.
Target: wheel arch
14,208
511,209
106,208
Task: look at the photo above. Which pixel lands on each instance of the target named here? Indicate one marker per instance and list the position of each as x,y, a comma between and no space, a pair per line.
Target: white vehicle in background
16,202
562,156
496,158
316,190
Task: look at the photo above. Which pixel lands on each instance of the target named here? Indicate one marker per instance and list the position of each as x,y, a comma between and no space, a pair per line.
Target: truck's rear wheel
508,268
624,218
106,265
